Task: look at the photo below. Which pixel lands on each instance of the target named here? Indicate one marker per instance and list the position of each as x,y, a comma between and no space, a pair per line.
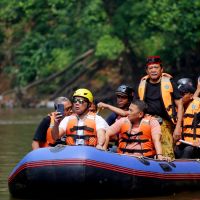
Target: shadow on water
16,131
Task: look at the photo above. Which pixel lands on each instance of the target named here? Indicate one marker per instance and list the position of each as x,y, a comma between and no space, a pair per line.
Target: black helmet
125,90
184,81
185,85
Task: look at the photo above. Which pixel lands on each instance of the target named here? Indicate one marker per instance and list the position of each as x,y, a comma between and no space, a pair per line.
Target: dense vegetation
40,38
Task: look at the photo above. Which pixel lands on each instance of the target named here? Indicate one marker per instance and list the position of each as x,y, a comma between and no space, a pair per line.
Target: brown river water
16,132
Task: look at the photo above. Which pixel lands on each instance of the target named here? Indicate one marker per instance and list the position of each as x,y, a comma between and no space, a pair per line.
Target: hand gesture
58,118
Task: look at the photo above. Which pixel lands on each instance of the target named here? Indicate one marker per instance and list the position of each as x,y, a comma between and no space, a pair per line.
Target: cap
186,88
153,60
125,90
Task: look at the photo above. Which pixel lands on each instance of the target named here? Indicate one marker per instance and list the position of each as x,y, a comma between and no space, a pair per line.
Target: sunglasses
80,101
68,108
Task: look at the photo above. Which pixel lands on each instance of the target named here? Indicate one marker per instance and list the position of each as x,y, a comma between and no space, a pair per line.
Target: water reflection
16,130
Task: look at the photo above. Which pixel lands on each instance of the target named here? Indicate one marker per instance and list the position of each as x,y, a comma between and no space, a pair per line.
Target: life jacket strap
124,150
134,140
130,135
190,135
86,128
191,126
188,115
84,137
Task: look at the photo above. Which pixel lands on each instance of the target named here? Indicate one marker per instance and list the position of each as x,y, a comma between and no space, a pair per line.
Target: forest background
48,48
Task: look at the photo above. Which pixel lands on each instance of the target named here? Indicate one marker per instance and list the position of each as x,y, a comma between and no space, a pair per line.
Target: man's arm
180,110
35,144
156,137
41,132
100,138
57,132
113,109
109,133
157,144
112,130
197,92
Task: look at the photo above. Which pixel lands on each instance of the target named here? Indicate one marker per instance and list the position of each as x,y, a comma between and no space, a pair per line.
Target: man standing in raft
164,102
83,127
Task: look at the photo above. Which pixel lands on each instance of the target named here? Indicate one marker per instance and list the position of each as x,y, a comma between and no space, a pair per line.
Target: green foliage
38,38
61,58
109,47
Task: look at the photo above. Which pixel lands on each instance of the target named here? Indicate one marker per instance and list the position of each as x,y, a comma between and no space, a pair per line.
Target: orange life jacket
191,125
89,136
143,137
49,140
166,91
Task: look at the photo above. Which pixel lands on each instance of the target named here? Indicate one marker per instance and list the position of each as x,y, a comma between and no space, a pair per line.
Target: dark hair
186,88
142,106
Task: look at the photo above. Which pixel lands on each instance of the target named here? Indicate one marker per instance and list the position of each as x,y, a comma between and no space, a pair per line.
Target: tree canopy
39,38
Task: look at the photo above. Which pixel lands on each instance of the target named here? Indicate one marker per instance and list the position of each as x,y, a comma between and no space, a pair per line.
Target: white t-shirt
100,124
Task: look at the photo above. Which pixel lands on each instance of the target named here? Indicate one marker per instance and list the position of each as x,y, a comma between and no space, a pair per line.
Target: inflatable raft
85,171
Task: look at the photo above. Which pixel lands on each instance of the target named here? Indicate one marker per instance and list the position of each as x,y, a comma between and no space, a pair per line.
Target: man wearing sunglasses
42,137
83,127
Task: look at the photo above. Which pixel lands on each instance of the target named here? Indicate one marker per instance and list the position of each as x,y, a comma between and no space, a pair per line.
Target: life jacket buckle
80,142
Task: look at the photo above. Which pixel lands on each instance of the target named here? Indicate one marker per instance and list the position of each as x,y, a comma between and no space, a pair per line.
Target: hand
177,134
100,147
161,157
58,118
196,143
101,105
198,83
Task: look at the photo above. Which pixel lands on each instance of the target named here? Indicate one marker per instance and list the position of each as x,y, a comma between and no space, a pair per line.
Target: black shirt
111,118
153,98
41,131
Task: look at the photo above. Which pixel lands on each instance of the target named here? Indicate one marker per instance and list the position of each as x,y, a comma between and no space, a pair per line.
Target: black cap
125,90
185,85
153,60
184,81
186,88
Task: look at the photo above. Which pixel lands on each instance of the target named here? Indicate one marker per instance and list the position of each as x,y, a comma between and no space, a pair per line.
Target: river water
17,127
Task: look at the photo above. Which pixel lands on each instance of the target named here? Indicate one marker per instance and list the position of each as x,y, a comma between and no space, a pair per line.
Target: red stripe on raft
124,170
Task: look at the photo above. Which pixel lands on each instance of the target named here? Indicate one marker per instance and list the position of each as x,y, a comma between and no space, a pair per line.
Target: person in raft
124,95
189,146
164,101
82,127
42,136
139,133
